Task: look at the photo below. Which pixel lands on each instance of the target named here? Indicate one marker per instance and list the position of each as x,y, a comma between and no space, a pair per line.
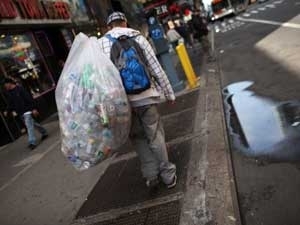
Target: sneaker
44,136
32,146
173,183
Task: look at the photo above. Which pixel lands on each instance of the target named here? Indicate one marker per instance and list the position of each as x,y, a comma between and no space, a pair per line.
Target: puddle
262,127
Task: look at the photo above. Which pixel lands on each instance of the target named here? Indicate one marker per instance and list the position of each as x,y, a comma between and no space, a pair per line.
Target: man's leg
149,164
29,123
154,131
41,129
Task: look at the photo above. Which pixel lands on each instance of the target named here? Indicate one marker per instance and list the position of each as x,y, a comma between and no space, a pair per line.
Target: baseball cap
116,16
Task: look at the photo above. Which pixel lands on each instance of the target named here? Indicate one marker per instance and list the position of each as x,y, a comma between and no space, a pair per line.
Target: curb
233,186
210,196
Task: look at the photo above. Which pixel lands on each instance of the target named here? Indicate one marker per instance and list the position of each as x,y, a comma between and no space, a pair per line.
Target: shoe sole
173,183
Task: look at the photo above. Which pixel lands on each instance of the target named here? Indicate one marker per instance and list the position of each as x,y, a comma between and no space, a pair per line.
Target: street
259,60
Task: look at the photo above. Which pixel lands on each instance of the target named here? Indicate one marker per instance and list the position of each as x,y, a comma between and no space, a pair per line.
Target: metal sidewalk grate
165,214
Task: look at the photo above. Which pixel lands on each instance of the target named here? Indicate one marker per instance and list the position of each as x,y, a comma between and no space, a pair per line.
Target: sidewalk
41,187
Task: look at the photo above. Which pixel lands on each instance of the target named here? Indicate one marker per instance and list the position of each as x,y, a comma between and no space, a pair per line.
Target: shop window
22,60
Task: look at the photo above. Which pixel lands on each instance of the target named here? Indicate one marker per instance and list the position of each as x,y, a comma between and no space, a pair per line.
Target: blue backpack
129,58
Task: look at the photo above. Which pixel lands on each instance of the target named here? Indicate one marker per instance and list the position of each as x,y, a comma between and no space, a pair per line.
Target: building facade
35,38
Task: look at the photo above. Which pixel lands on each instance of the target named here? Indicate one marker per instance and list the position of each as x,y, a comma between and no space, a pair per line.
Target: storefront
22,59
35,38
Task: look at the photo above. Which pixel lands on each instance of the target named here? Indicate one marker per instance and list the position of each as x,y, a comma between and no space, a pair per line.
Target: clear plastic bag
94,112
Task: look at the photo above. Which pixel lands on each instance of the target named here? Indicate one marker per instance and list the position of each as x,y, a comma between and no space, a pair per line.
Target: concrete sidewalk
41,187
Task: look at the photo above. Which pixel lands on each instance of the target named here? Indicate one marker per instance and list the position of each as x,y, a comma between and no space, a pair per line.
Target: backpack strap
115,48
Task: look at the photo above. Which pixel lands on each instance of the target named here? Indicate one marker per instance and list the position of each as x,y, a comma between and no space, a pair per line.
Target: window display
21,59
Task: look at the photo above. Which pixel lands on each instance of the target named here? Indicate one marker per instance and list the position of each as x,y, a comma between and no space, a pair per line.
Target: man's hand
5,113
35,112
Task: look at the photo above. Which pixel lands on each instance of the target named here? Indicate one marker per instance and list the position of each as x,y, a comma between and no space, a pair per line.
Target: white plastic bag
94,113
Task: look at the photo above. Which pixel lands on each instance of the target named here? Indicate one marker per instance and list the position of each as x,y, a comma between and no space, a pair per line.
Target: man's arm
155,68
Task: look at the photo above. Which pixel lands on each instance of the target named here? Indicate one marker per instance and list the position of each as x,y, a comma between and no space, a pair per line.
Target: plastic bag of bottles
94,113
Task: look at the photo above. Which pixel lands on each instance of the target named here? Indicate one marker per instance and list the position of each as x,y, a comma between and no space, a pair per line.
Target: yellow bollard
186,64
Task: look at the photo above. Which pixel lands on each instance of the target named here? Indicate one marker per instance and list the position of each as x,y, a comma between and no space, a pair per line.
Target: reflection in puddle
238,87
260,126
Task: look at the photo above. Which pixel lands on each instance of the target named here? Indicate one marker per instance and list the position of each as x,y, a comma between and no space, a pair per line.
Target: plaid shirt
154,66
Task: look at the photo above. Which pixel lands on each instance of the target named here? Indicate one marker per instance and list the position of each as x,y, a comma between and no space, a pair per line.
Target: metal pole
212,34
187,66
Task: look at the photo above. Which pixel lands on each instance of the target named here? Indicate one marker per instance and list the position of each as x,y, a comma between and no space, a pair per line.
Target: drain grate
164,214
121,189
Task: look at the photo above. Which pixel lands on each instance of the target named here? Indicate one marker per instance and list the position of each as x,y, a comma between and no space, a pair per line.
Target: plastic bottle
103,114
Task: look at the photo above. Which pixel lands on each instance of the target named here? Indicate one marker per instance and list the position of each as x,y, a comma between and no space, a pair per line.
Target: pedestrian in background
201,34
21,101
172,35
187,18
155,164
183,30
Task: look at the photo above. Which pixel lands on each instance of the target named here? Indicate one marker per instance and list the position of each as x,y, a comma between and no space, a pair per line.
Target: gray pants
147,134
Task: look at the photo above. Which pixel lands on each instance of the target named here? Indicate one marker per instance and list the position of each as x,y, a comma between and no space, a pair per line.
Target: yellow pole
186,64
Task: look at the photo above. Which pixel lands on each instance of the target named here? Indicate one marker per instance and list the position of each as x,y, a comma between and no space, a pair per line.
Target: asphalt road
259,56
